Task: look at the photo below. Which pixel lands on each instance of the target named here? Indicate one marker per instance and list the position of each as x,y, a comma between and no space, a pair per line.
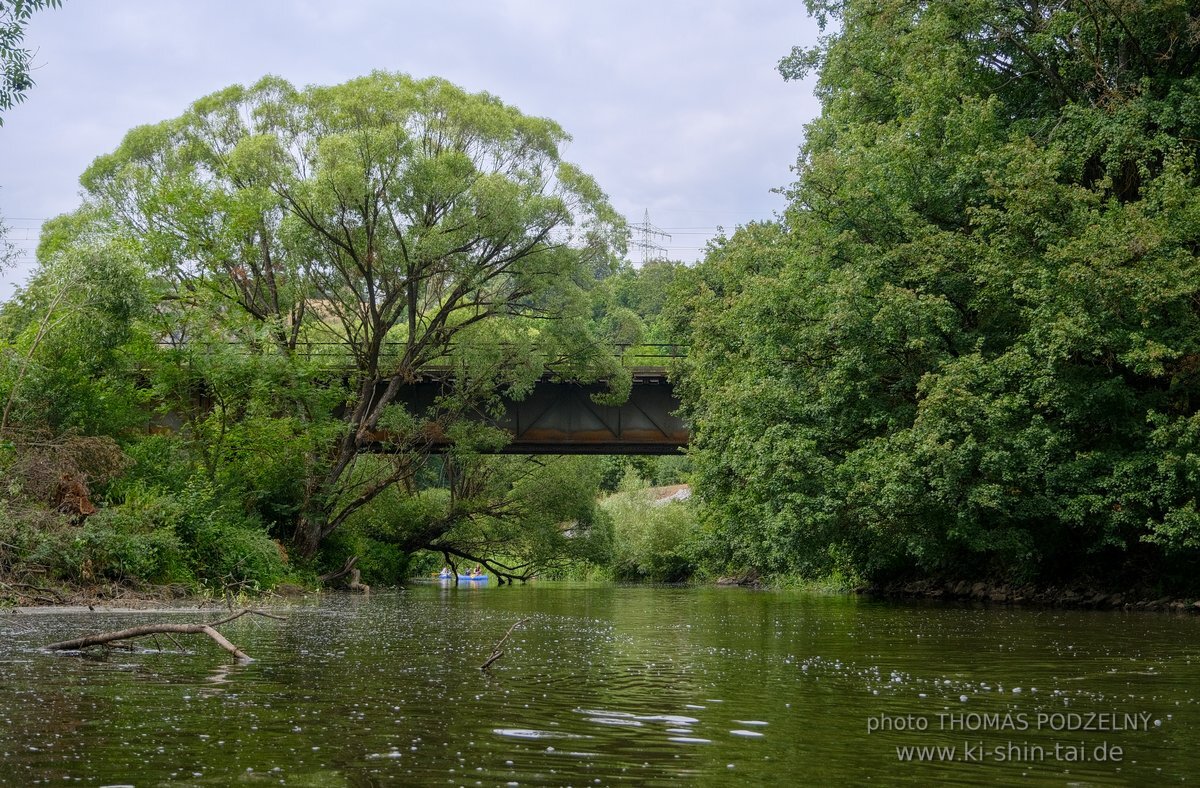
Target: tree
64,339
388,224
516,516
15,62
15,81
637,296
970,346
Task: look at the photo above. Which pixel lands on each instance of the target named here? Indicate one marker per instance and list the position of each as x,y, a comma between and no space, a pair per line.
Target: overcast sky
675,107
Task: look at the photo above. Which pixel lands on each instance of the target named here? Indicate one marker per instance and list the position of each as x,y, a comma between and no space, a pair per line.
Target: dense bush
653,541
238,554
380,563
148,536
134,541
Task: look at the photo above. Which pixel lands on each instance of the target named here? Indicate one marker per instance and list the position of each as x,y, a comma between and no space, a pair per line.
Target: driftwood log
209,629
497,652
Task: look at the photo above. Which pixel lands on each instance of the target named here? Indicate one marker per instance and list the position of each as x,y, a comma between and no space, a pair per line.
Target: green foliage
234,553
658,542
532,515
1173,464
381,562
638,471
378,228
105,550
398,517
642,293
137,540
146,535
229,545
256,280
969,347
68,340
16,61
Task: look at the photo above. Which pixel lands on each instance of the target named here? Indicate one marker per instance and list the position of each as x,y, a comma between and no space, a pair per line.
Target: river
608,685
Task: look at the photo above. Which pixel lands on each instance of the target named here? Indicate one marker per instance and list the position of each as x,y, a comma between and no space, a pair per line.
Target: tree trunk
307,538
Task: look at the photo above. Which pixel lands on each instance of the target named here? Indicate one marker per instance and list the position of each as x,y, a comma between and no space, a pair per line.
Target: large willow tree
973,345
384,225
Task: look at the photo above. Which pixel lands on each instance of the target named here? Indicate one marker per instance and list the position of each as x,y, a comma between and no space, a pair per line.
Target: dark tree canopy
972,345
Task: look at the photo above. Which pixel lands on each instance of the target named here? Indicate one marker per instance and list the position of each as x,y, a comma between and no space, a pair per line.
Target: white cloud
674,106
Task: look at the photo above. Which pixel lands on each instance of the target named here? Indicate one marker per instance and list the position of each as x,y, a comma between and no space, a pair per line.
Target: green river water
609,685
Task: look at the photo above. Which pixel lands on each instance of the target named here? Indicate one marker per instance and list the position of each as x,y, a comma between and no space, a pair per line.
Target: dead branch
34,593
345,570
497,652
208,629
348,568
60,471
247,612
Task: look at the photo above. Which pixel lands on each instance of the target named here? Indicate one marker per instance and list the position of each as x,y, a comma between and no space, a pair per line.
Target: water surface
608,685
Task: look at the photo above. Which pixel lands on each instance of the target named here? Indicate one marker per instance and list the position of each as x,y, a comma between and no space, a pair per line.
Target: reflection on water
611,684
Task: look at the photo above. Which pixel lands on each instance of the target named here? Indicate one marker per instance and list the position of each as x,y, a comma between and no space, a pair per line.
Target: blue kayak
464,578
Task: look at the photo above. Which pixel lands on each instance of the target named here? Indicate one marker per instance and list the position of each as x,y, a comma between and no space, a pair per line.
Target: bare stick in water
497,653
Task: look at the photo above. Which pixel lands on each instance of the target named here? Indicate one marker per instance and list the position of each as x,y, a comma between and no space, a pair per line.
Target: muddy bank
25,595
1007,594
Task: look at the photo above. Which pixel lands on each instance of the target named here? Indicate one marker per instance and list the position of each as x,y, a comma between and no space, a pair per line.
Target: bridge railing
653,354
649,354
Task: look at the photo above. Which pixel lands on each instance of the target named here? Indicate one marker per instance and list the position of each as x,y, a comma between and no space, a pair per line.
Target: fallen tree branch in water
497,653
335,574
208,629
348,568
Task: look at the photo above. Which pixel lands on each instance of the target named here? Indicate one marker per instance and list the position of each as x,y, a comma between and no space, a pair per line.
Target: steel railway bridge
561,417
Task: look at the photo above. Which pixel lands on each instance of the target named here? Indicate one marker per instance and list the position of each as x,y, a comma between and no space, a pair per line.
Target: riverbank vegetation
202,383
655,538
968,350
